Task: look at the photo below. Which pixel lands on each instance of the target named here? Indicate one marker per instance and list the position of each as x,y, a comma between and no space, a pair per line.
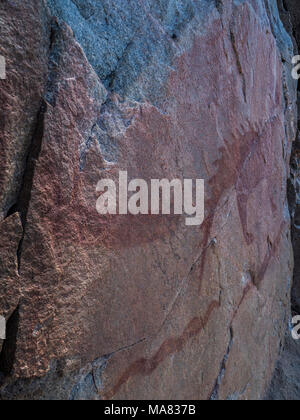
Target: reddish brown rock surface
145,307
24,33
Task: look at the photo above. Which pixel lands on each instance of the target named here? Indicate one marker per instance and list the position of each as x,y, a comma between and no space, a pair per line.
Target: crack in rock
215,394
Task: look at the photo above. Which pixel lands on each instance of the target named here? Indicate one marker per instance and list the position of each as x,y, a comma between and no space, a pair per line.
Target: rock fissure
219,5
238,63
215,394
23,203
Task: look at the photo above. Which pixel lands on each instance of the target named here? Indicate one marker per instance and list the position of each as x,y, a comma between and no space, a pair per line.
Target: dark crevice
109,81
22,205
55,55
238,63
215,394
254,279
219,6
12,210
285,5
34,152
7,355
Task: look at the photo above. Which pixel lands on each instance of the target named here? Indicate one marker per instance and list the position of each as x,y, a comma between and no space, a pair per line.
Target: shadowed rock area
144,307
285,384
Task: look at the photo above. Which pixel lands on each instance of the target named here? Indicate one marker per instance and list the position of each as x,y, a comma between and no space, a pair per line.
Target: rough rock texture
291,16
145,307
285,384
25,52
10,234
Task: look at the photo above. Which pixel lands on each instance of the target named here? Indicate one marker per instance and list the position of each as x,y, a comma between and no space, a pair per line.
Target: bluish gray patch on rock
131,44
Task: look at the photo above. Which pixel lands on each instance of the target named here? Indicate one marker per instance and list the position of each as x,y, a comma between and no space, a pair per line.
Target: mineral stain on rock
139,307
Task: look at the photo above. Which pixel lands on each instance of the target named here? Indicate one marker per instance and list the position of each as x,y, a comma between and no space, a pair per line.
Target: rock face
291,17
141,307
285,382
